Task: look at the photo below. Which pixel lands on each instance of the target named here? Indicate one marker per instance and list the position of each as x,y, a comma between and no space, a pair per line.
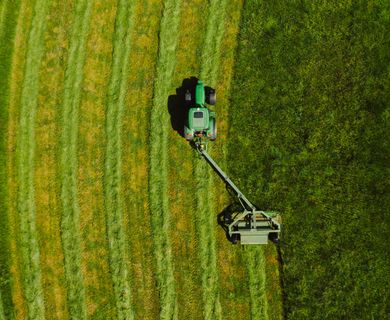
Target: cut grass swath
158,177
46,175
95,266
183,236
205,195
142,70
8,21
70,208
112,177
25,163
255,260
16,83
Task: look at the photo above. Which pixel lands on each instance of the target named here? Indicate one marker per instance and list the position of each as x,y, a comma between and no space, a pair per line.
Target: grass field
107,225
106,212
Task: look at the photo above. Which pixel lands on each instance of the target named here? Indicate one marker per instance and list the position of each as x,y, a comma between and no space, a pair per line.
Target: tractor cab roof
198,118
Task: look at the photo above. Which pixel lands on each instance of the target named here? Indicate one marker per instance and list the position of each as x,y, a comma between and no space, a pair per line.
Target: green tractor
247,225
201,123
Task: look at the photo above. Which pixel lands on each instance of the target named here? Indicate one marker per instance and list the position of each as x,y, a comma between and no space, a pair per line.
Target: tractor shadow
178,106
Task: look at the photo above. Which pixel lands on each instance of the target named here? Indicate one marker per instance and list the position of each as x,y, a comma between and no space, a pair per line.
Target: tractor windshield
198,115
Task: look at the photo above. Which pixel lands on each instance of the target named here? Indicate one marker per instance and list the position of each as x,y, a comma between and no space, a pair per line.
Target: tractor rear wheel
211,96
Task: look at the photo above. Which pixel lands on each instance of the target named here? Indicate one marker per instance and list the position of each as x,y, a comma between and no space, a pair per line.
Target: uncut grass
181,183
47,186
158,173
25,158
99,295
8,22
113,160
334,124
143,56
68,162
16,80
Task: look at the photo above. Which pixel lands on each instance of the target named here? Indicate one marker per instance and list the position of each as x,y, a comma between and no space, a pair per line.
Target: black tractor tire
211,96
274,237
213,130
234,238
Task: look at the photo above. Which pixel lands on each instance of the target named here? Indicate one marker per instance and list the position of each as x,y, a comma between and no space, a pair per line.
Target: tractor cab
201,122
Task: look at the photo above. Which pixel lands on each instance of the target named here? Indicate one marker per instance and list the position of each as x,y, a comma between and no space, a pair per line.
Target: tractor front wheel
213,129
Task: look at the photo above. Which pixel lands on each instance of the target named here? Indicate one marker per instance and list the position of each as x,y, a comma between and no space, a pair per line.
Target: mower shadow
224,219
177,105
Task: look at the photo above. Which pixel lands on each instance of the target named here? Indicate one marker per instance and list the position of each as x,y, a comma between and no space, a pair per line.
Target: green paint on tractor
201,122
247,225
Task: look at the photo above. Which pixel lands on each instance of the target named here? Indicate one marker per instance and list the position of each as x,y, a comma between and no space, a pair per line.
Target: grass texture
158,175
70,209
8,21
25,164
204,185
113,196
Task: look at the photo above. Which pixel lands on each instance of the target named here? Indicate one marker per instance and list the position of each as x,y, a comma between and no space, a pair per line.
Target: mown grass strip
47,175
230,257
95,266
255,260
204,181
68,166
8,22
113,161
143,57
25,163
158,175
16,83
183,236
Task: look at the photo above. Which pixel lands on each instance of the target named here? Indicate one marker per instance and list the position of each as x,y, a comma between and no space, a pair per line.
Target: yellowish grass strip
47,184
158,174
16,81
113,160
68,162
100,302
143,53
25,153
8,23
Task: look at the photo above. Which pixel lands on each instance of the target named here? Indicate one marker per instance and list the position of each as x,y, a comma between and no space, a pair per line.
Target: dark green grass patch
7,34
308,137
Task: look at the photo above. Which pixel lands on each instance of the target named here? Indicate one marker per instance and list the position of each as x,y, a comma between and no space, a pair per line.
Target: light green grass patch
25,163
158,174
69,136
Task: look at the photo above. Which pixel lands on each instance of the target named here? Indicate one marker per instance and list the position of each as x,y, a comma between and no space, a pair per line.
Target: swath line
255,259
204,180
8,24
113,160
158,177
70,228
25,164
